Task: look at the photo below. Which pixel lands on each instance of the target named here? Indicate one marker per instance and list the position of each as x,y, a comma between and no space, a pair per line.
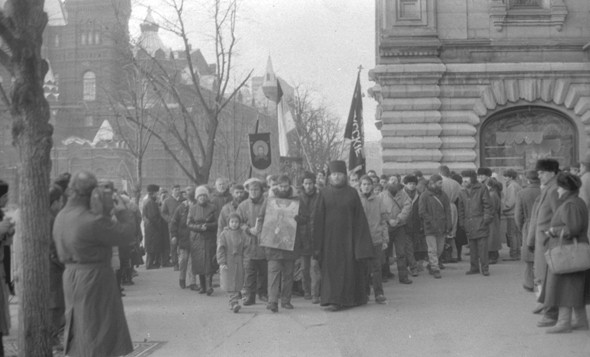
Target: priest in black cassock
342,242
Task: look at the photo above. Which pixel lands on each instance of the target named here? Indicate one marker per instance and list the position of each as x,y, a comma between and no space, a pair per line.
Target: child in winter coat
230,255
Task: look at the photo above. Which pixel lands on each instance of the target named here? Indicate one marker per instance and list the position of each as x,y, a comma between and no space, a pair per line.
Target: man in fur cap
543,211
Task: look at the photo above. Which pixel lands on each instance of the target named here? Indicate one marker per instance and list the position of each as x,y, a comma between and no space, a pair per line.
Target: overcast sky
315,43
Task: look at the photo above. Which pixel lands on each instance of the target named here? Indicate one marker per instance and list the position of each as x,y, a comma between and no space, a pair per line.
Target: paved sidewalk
457,315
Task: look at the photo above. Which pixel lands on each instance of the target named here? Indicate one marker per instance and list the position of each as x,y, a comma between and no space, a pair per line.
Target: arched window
89,86
517,138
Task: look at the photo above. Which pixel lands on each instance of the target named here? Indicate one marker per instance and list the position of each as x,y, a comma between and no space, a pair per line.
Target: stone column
409,109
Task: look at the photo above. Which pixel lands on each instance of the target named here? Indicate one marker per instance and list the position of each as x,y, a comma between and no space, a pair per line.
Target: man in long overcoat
95,320
522,216
543,211
342,242
154,225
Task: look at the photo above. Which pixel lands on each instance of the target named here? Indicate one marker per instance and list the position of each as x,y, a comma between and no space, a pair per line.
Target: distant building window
83,39
56,40
524,3
97,37
88,120
89,86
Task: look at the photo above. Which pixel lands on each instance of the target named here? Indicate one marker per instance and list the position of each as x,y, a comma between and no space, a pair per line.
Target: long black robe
342,244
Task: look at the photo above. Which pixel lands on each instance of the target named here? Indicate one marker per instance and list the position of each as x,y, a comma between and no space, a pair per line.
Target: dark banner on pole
260,153
354,131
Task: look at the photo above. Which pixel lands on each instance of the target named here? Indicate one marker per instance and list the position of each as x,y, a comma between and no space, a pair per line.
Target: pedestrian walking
377,215
202,222
522,216
435,212
475,216
342,242
568,292
181,235
231,247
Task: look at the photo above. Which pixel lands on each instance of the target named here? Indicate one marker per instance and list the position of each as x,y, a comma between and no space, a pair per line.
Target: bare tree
22,23
189,114
317,137
133,124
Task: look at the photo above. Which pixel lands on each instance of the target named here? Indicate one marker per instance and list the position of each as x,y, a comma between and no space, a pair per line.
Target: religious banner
279,226
260,154
354,131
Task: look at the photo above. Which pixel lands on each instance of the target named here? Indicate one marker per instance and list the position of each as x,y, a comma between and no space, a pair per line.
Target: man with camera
84,236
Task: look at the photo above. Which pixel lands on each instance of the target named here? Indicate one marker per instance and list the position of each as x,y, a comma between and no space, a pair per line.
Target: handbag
569,258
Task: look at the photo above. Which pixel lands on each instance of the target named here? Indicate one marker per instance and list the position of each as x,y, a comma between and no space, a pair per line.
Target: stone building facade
494,83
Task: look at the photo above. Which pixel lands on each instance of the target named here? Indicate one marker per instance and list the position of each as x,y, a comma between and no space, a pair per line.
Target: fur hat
252,180
202,190
510,173
486,171
337,166
569,181
550,165
3,188
153,188
410,178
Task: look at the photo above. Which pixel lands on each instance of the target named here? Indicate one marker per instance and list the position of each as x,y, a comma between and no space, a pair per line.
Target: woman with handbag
572,290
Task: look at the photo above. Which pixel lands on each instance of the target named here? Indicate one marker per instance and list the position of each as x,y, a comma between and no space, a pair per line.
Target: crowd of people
349,231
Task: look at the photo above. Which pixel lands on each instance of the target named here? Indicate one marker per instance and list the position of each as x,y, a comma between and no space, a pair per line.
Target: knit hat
486,171
510,173
569,181
153,188
550,165
202,190
337,166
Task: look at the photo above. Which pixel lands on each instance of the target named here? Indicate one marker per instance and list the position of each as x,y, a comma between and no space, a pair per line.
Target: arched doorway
516,138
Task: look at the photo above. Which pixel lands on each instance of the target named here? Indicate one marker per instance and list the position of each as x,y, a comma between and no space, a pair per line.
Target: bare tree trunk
21,27
139,180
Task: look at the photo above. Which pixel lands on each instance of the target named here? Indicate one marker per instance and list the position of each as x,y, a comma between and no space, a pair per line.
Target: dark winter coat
494,239
178,226
342,246
543,210
95,320
154,226
202,222
475,211
309,204
523,210
435,212
567,290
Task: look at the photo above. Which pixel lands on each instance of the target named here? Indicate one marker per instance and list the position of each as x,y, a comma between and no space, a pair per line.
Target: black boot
203,283
209,285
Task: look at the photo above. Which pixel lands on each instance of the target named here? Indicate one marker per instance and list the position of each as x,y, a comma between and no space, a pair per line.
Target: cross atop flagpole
354,129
